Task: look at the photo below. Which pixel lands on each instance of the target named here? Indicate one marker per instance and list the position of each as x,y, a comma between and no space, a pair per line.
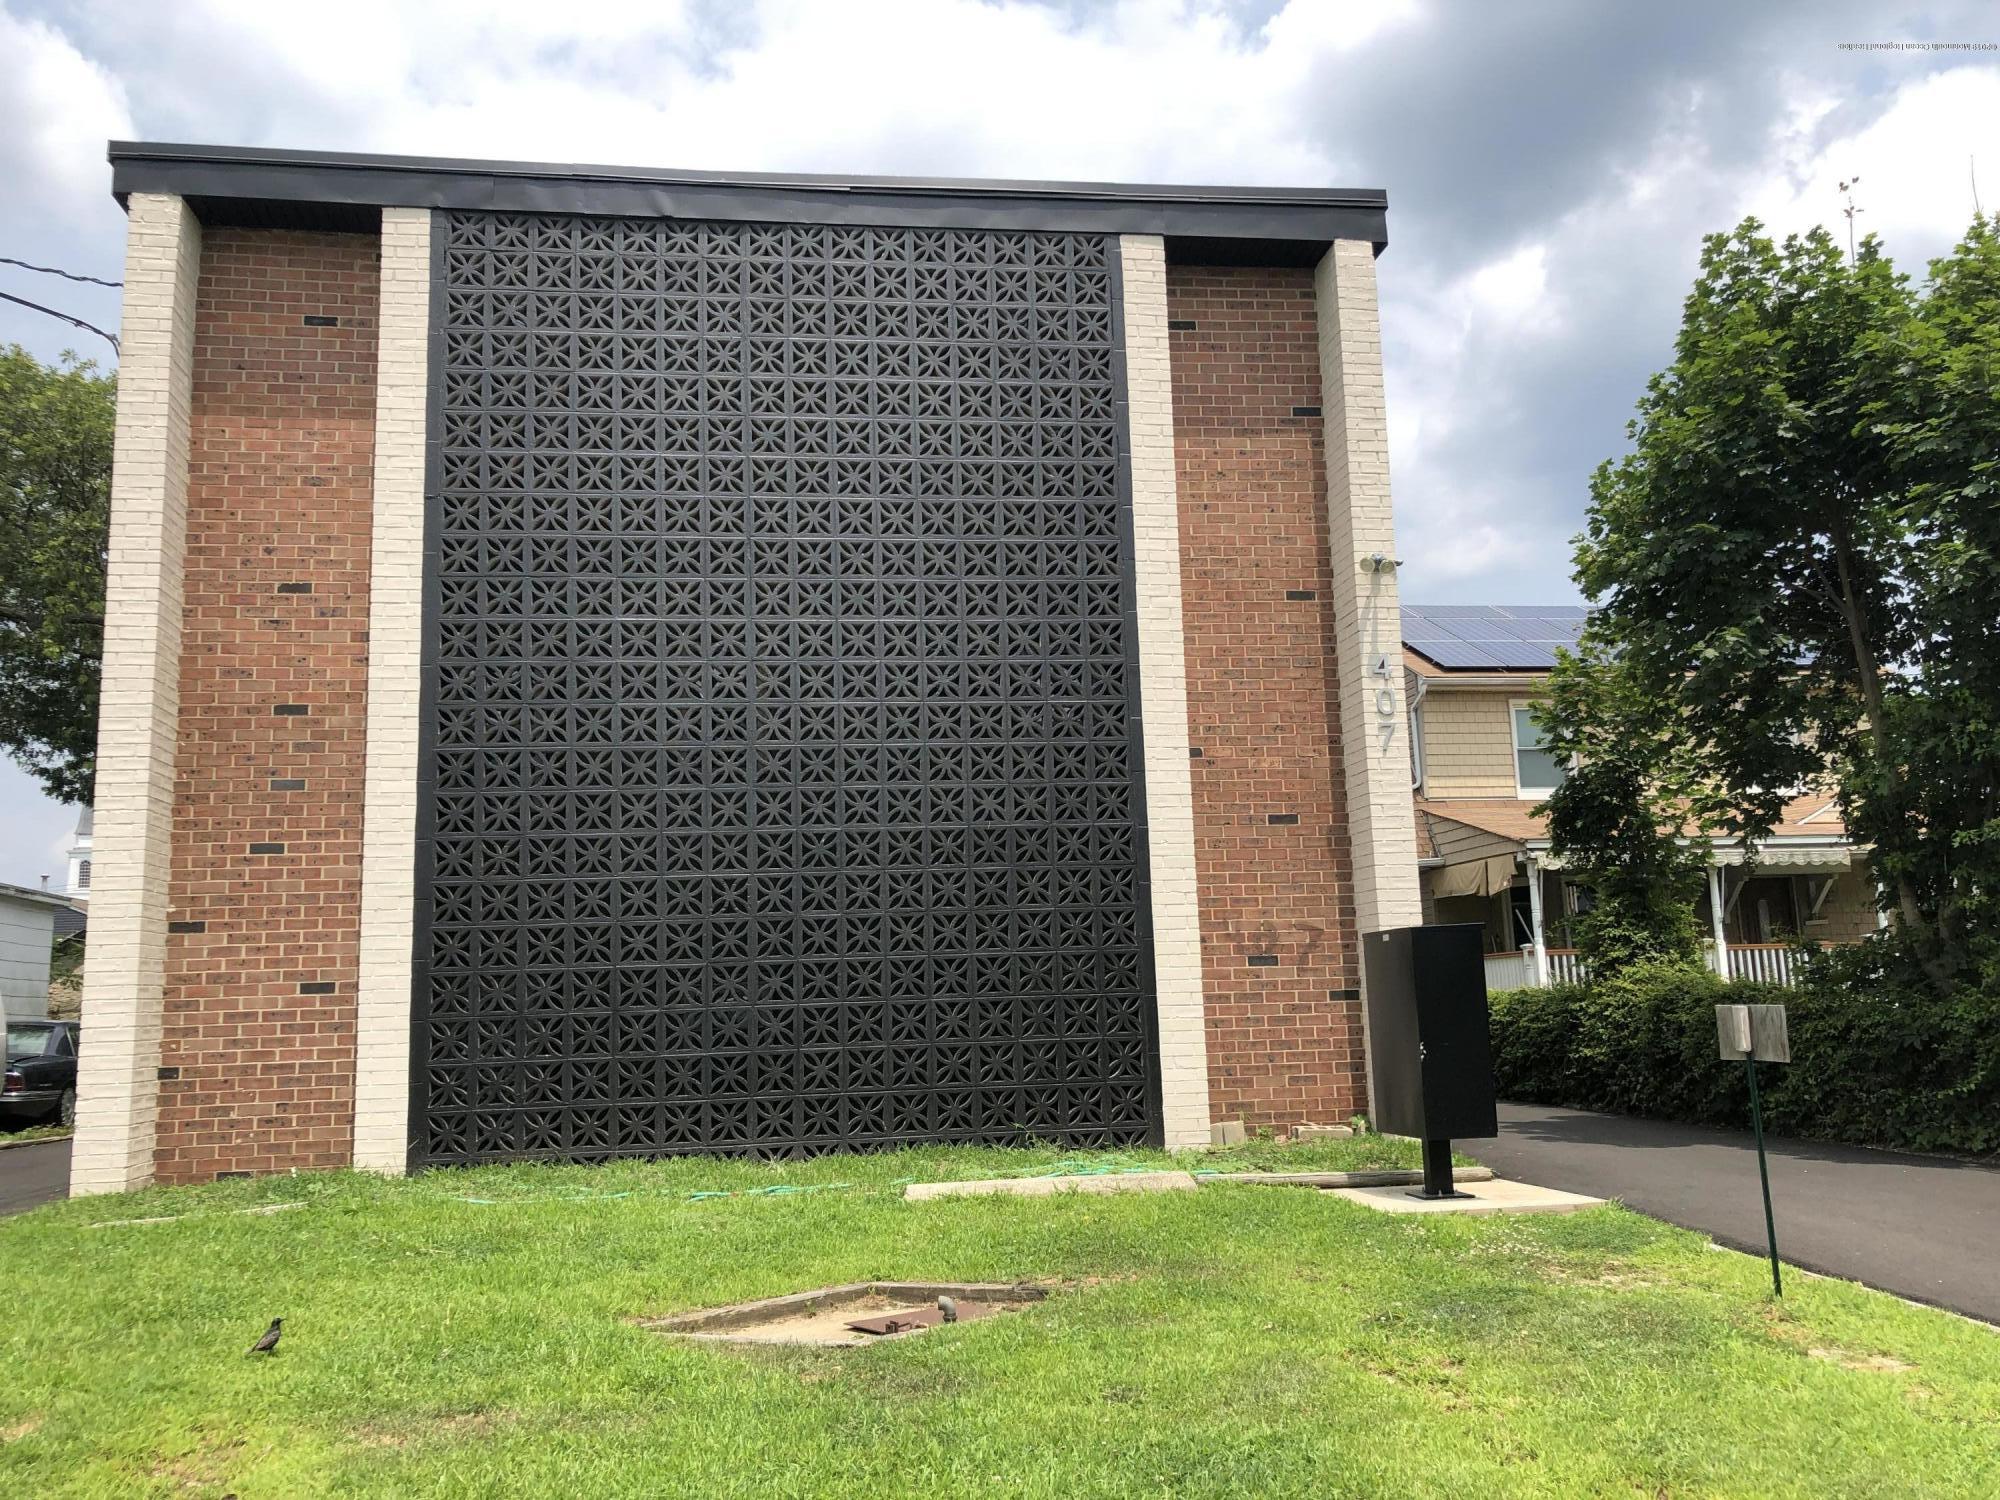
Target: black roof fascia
212,177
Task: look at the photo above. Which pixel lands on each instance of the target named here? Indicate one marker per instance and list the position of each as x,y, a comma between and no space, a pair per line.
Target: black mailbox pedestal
1428,1050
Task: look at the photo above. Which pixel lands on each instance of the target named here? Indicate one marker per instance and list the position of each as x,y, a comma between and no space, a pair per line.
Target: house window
1537,772
83,875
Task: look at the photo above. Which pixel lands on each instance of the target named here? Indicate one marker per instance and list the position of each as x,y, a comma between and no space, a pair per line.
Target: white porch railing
1516,971
1766,963
1510,971
1566,966
1769,963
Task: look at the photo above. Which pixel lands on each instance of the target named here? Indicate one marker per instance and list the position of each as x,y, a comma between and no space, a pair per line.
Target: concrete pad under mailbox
1497,1196
1048,1187
1386,1177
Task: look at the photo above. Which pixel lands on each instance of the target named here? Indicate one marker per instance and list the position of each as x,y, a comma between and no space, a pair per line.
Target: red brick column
1279,967
257,1055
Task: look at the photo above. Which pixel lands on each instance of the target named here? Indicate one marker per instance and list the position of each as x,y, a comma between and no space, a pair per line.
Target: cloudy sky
1550,166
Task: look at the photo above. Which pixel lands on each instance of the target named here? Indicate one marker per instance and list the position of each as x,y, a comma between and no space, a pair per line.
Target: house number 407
1385,702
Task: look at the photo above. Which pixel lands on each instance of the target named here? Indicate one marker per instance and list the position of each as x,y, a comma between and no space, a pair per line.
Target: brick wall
257,1051
1271,837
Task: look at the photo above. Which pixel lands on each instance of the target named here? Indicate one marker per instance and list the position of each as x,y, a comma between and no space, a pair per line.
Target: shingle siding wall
1850,913
1469,743
1271,846
258,1041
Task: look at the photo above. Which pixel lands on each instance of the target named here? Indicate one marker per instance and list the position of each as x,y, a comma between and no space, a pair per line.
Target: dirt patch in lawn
1847,1359
199,1470
28,1426
452,1427
1440,1377
1620,1280
823,1316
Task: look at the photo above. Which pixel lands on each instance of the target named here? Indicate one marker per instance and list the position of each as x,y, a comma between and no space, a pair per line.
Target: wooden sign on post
1757,1033
1753,1031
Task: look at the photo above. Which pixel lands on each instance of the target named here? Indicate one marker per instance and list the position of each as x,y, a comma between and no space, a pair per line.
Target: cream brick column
139,707
395,660
1156,539
1368,614
1368,617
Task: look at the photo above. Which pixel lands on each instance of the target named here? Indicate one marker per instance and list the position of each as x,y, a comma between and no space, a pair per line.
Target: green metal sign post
1764,1174
1754,1033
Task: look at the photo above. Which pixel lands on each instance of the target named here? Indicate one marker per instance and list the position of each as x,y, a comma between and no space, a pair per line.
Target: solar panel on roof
1464,654
1490,636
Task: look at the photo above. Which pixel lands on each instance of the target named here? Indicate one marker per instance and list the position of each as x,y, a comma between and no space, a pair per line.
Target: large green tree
1619,816
56,426
1794,573
1942,423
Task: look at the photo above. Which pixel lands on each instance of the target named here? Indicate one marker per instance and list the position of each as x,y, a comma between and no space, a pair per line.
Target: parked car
40,1081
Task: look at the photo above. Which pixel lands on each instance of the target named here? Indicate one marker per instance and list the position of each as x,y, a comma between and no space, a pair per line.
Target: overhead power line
76,322
8,260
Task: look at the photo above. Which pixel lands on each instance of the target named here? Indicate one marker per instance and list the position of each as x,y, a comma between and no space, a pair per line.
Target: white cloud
1143,88
1514,289
1912,162
56,112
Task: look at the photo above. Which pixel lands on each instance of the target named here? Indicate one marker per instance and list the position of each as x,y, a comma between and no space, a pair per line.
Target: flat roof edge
1277,215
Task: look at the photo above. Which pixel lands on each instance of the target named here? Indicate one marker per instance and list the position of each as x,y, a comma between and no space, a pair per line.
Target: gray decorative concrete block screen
782,769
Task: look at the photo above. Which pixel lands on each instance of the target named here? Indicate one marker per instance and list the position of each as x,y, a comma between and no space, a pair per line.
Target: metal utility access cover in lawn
826,1315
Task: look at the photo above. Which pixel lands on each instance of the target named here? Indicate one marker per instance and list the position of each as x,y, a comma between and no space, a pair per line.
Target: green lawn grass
469,1333
26,1135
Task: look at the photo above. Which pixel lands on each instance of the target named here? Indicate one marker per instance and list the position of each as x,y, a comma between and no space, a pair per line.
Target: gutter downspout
1417,767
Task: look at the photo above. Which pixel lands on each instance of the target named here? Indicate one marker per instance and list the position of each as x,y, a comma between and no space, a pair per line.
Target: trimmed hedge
1877,1060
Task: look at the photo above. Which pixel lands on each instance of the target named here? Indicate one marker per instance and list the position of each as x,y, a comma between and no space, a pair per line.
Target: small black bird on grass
268,1344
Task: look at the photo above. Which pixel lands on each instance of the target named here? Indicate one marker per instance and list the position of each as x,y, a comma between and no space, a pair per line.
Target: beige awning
1479,877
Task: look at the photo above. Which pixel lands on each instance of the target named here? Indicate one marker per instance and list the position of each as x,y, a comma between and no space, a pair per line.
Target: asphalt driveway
30,1175
1919,1226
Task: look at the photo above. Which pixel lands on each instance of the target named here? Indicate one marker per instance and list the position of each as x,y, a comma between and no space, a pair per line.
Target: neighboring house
1473,673
66,963
79,856
27,936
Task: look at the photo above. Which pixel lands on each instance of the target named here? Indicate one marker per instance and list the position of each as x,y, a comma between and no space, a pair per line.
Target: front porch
1767,963
1491,865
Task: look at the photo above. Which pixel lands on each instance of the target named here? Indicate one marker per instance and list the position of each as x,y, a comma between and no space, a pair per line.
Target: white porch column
1535,919
1715,913
139,705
